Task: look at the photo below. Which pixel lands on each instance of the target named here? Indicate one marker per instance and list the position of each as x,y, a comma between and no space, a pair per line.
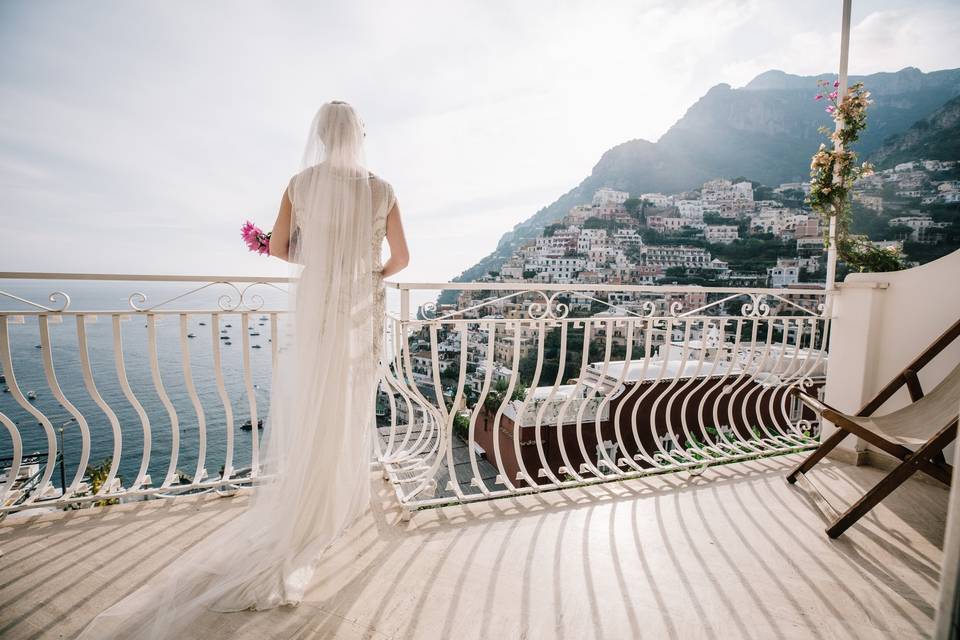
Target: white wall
882,321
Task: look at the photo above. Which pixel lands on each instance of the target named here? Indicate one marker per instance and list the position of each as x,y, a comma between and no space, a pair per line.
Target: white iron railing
127,391
483,400
519,387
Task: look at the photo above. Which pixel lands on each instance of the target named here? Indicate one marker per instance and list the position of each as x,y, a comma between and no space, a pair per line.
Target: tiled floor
734,553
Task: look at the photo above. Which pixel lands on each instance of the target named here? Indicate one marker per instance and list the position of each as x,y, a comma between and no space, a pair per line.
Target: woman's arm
399,254
280,236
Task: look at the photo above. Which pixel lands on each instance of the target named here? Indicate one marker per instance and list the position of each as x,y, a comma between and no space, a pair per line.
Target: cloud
154,129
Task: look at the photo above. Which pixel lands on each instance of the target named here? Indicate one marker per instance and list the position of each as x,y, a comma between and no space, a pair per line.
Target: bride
314,479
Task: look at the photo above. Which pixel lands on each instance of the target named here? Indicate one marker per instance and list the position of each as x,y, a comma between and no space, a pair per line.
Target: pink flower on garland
255,238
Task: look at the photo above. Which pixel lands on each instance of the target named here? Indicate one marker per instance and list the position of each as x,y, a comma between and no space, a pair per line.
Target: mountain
936,137
766,130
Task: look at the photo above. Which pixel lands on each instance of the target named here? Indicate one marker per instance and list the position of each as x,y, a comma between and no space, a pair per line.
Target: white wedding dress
317,441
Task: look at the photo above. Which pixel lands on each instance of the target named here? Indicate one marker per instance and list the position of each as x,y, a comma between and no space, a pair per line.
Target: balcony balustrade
141,385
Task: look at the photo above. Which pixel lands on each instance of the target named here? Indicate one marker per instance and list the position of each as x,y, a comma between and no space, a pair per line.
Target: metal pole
841,90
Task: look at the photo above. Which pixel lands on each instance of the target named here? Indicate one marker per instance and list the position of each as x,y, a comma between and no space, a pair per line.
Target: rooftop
735,552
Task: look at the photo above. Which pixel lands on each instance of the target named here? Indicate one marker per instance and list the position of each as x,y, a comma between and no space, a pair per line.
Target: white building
721,233
675,256
657,199
608,196
786,273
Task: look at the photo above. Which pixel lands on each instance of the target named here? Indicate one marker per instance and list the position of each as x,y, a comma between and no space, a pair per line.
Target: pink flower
255,239
836,83
819,97
831,109
833,96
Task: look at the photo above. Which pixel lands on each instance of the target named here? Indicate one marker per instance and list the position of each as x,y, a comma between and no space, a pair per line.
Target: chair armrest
811,401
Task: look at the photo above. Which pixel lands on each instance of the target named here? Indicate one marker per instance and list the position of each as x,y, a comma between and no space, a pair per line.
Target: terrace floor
734,553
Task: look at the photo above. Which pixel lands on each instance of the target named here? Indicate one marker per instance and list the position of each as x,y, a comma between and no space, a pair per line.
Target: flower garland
832,174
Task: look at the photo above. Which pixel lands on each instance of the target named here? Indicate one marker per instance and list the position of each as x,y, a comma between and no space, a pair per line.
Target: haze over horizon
139,138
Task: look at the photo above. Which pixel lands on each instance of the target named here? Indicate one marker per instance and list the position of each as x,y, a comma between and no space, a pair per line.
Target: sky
137,136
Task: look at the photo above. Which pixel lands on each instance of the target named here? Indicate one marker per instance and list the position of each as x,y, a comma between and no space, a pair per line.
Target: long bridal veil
314,479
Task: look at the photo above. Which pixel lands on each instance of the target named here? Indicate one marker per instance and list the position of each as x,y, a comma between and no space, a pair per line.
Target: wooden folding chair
915,434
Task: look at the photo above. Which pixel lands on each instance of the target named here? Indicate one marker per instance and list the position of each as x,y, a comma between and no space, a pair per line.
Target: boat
254,346
191,335
248,425
223,330
31,395
254,333
202,324
228,343
228,325
263,317
6,389
224,337
3,378
38,346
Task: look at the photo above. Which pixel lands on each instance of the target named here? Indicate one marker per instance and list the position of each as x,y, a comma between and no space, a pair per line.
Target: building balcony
541,469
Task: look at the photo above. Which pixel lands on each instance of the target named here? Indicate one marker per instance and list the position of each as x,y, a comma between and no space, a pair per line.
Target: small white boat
190,335
31,395
228,343
202,324
254,346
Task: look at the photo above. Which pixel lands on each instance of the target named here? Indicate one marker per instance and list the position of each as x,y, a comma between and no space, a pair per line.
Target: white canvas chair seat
915,423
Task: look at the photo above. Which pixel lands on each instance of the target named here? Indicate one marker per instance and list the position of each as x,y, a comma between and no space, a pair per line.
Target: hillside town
734,232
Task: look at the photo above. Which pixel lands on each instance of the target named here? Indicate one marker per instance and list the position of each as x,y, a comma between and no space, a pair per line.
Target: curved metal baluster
400,339
747,374
588,398
430,422
120,365
669,394
749,385
782,374
7,361
484,391
686,390
721,389
164,400
461,382
222,390
614,464
538,425
14,470
46,350
625,457
523,474
251,398
703,390
662,458
642,453
507,395
200,473
91,387
562,412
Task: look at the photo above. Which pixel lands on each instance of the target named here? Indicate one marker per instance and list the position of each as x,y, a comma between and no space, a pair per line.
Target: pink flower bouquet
255,238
